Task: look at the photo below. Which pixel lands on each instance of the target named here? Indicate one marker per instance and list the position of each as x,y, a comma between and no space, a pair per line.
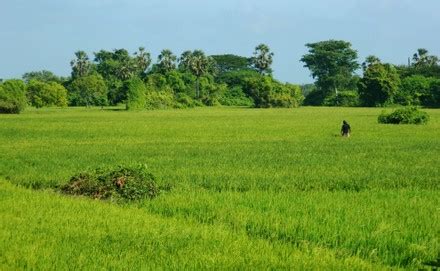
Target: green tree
237,78
262,59
135,94
166,61
117,66
412,89
332,63
43,76
433,98
181,82
370,60
87,91
81,66
228,63
267,92
379,86
12,96
142,60
197,63
422,59
184,60
46,94
211,92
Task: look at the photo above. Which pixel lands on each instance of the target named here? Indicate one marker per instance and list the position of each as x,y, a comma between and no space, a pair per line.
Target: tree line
192,79
196,79
333,65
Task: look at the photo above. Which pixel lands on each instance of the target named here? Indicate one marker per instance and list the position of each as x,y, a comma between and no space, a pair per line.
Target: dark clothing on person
345,129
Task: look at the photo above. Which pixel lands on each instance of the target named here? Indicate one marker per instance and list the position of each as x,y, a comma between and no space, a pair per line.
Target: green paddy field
247,189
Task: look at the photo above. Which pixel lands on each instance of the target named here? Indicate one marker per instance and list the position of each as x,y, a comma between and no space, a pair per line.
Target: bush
407,115
120,183
12,97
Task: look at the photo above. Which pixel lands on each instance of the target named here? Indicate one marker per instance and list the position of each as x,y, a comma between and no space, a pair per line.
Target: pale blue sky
44,34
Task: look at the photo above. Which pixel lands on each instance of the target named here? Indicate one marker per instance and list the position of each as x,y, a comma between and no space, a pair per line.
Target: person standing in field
345,129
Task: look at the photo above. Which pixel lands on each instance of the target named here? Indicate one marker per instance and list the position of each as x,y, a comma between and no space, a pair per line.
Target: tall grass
281,181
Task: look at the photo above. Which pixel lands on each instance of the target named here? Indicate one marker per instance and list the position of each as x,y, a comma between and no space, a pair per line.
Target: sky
44,34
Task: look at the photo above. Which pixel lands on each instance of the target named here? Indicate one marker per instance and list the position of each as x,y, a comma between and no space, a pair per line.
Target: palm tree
198,65
126,70
370,60
184,60
81,65
262,59
422,59
166,61
142,60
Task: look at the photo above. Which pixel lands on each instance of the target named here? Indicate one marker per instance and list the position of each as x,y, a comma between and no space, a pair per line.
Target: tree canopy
332,63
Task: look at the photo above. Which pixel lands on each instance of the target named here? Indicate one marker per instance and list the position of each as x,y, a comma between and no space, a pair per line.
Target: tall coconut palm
126,70
198,65
142,60
80,65
184,60
263,59
422,59
166,61
369,61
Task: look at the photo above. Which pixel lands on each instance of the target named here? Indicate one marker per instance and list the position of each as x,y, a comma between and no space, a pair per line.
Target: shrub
12,97
120,183
407,115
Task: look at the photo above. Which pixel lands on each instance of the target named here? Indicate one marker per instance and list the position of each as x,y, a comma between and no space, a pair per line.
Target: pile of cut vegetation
406,115
119,183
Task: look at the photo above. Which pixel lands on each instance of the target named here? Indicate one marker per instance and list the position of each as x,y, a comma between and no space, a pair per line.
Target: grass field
250,188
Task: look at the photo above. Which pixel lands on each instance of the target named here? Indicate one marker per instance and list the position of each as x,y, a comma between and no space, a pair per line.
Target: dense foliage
407,115
379,85
333,63
136,91
88,90
267,92
42,94
196,79
12,96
